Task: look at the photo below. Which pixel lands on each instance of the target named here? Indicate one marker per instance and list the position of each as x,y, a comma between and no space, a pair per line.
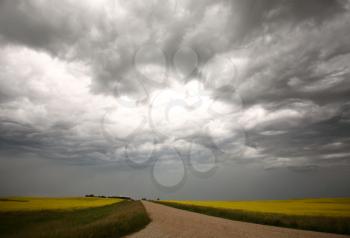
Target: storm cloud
174,91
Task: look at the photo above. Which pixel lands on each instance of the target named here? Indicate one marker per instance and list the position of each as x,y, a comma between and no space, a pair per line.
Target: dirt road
172,222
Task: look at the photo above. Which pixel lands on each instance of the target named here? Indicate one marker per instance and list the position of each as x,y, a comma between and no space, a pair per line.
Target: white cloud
273,133
291,115
181,69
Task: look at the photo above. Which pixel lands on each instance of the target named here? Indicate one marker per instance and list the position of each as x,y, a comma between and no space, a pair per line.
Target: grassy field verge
332,224
113,220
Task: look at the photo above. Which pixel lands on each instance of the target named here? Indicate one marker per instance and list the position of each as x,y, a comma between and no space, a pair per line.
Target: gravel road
172,222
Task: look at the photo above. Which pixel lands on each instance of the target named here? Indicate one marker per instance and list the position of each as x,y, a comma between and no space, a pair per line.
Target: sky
177,99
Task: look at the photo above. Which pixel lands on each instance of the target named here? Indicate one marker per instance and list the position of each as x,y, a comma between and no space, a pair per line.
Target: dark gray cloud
259,85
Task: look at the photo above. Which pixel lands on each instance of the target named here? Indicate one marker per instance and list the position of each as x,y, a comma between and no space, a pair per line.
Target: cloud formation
249,82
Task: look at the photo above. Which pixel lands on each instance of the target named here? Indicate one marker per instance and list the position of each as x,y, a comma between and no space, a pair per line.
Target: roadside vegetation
324,215
120,218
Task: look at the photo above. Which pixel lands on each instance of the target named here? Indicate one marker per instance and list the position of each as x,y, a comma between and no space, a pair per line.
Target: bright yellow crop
40,203
335,207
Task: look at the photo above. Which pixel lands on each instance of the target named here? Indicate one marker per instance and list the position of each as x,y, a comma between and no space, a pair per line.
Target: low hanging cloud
262,82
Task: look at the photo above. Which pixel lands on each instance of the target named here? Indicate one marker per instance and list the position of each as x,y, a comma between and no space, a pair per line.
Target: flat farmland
70,217
322,214
40,203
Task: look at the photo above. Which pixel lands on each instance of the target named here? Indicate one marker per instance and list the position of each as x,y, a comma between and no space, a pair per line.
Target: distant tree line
102,196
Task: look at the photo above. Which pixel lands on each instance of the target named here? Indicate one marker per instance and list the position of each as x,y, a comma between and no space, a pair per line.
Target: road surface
171,222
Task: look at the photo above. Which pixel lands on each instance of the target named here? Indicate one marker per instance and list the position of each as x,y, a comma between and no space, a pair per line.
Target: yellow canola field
40,203
330,207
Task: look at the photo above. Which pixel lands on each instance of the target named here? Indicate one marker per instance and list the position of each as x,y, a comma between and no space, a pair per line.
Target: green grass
307,221
113,220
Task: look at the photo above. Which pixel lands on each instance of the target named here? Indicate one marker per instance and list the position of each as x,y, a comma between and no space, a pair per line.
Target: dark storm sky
241,99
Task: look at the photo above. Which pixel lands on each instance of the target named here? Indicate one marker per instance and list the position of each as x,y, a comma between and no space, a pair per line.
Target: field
324,214
37,203
335,207
70,217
